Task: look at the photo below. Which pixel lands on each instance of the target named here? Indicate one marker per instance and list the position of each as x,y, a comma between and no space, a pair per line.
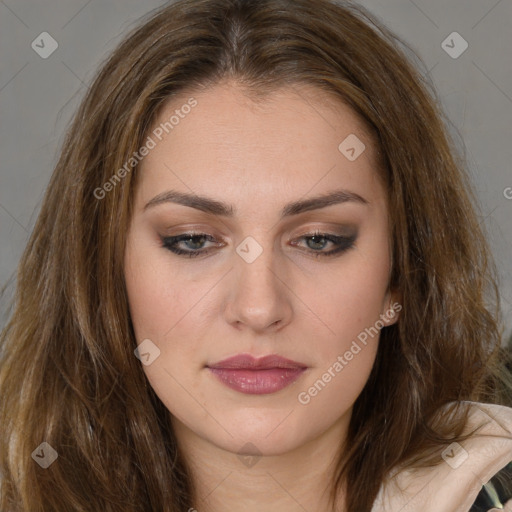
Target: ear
391,307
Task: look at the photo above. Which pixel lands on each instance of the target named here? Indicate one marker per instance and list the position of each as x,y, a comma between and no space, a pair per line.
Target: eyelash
343,243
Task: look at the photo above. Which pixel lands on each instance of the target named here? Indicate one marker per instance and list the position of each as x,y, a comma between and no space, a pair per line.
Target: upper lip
247,361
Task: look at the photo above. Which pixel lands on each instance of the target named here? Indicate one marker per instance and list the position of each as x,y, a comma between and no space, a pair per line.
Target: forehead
291,110
291,139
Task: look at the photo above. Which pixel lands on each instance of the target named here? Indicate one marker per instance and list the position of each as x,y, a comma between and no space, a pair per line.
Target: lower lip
257,382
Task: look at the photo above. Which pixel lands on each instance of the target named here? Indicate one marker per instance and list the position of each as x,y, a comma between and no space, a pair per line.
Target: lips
249,375
246,361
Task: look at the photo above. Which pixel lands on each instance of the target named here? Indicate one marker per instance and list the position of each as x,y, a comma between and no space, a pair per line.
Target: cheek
344,304
171,308
154,303
161,309
156,306
345,355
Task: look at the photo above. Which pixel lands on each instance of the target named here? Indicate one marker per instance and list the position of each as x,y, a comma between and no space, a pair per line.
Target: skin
287,301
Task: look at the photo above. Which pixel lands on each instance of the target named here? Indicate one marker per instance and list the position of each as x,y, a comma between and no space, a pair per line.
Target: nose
259,293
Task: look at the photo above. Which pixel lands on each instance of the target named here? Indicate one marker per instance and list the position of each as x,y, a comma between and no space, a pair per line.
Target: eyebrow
215,207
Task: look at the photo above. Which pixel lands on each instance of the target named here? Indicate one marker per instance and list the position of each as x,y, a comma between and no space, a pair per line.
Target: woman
257,282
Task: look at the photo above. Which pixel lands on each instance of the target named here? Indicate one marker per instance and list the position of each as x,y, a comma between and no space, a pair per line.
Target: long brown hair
69,376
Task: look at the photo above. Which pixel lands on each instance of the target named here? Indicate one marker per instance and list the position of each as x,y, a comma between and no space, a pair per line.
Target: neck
298,480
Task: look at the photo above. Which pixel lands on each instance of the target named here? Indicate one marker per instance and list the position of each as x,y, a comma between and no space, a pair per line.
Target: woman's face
259,282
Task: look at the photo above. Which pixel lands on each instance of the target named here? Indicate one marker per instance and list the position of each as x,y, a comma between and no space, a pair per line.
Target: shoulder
457,482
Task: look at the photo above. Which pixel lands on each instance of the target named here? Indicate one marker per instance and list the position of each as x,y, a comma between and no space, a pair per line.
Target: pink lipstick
257,376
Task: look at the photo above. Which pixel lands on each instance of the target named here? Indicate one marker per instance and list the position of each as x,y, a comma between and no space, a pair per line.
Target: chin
274,435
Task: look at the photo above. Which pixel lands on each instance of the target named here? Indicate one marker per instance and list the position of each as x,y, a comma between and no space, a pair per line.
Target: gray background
38,97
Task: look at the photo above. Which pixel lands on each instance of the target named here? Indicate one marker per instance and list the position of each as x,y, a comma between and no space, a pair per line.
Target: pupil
198,240
316,237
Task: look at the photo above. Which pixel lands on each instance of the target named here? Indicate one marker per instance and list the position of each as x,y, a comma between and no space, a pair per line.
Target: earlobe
392,312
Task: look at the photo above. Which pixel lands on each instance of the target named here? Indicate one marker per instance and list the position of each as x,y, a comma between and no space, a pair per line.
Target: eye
171,243
319,241
316,242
